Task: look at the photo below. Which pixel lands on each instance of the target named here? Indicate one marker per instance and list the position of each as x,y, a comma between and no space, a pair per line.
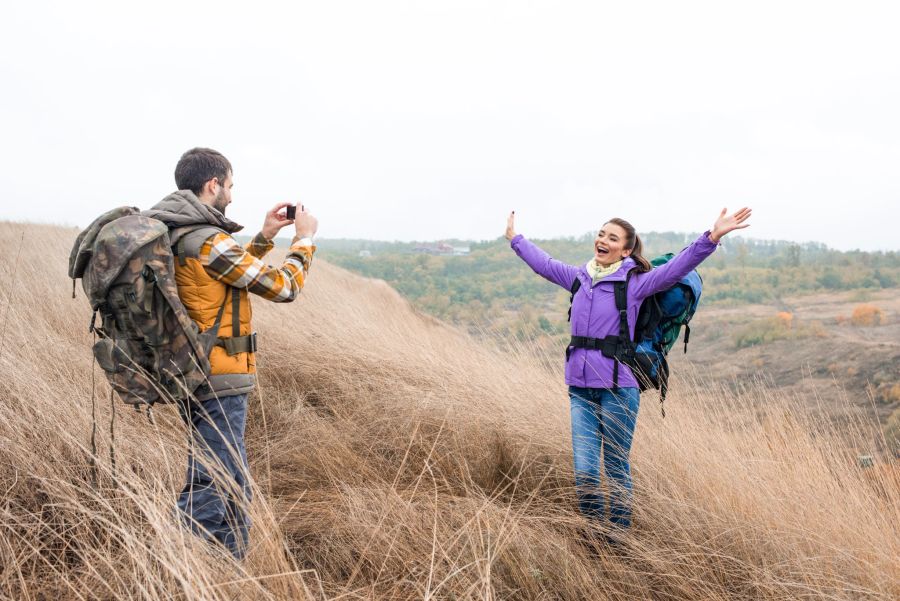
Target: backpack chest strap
239,344
609,346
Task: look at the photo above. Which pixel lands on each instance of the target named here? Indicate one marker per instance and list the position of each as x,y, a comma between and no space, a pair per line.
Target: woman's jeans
217,493
603,423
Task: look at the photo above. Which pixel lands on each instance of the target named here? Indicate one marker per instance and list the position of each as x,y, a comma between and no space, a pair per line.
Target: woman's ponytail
633,242
643,264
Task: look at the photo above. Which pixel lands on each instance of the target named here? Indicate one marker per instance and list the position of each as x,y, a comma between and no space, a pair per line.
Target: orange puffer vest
232,360
204,297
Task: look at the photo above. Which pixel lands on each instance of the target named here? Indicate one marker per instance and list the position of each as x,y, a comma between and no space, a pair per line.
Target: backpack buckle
239,344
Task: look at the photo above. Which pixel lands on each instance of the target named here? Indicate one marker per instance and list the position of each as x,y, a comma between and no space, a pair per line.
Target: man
215,275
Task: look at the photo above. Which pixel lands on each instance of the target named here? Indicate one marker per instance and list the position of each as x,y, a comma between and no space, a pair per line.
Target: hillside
810,347
395,456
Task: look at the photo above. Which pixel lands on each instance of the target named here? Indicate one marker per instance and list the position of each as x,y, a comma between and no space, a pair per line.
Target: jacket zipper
590,294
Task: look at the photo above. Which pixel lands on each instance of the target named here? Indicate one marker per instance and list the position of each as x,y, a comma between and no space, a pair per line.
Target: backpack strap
179,236
576,285
621,293
179,252
235,312
620,290
692,304
218,322
236,343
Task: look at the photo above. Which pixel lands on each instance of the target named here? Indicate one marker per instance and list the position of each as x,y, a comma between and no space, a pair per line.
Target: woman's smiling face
610,245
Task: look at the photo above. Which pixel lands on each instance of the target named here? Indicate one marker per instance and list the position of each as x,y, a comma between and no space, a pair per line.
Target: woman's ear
626,252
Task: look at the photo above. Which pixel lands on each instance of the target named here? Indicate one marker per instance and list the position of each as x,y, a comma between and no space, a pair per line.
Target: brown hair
633,243
199,165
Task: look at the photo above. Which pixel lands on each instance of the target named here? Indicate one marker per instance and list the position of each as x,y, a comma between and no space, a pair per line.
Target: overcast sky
427,120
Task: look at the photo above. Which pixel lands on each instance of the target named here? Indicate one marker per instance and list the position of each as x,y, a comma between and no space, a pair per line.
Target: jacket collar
183,208
618,276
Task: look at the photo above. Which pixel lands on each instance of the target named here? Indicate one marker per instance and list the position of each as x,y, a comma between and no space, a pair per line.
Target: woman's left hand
729,223
511,226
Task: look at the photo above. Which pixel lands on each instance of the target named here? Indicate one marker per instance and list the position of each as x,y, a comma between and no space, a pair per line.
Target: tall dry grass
397,458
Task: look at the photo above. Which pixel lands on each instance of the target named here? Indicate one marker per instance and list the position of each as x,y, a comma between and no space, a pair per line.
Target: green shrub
778,327
761,331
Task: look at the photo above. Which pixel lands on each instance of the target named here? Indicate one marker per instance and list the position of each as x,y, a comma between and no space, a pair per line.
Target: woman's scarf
598,272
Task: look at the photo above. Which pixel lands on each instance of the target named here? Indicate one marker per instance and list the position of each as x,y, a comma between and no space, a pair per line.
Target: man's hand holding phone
275,220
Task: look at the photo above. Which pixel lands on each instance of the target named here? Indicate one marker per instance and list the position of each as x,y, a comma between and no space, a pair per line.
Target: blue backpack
659,324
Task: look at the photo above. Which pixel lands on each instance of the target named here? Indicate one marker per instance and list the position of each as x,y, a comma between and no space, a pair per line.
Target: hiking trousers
215,500
603,422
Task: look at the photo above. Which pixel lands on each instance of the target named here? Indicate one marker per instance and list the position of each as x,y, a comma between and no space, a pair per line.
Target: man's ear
209,188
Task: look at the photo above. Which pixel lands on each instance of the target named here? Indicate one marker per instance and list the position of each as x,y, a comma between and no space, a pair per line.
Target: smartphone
291,212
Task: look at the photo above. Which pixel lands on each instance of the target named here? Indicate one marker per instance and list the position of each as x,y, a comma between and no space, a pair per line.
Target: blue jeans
217,493
603,423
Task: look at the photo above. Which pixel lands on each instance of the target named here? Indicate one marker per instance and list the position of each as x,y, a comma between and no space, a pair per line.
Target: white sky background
428,120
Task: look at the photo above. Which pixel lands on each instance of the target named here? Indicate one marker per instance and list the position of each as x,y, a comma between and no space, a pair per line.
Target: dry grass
397,458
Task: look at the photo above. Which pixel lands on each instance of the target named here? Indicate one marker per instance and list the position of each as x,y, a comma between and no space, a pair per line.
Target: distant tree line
492,287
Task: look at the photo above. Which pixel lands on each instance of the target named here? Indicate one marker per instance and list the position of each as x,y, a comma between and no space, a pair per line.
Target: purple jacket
594,311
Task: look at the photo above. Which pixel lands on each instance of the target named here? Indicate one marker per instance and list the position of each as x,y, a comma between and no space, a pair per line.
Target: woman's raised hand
511,226
729,223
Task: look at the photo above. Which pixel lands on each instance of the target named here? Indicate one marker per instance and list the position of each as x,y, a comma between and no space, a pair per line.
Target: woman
603,392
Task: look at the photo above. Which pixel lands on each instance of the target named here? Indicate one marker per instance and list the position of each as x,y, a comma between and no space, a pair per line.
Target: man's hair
199,165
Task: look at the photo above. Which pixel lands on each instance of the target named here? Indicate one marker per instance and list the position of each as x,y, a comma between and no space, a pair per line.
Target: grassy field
395,457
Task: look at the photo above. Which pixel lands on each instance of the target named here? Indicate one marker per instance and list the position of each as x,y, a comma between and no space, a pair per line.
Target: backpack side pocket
105,354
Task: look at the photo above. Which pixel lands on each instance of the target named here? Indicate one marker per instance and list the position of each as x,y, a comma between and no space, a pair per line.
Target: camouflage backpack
149,347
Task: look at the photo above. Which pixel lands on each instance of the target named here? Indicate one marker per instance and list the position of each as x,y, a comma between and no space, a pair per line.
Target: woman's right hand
511,226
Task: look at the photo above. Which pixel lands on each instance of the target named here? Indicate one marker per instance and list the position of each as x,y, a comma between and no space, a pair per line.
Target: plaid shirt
228,262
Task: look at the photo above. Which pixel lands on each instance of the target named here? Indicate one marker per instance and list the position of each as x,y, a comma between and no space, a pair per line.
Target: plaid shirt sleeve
228,262
260,246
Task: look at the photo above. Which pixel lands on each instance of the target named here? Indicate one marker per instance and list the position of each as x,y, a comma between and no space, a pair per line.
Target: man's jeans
603,420
216,496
